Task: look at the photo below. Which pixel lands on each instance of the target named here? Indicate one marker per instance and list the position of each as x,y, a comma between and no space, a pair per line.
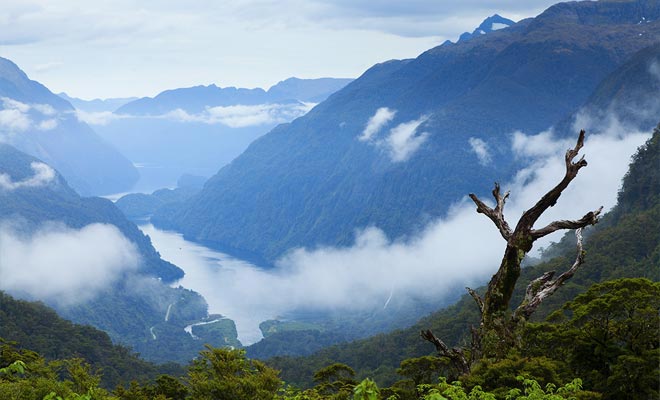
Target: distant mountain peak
490,24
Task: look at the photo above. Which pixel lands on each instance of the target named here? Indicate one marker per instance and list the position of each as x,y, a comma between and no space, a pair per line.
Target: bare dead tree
497,331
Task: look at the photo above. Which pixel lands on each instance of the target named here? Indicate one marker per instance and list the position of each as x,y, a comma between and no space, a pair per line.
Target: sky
123,48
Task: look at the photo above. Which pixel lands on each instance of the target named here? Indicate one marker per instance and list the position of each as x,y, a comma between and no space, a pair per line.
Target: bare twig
476,298
455,355
543,287
530,216
590,218
495,214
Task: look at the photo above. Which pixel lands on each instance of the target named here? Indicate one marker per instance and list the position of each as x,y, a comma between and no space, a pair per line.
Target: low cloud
240,116
401,142
404,140
61,265
13,120
461,249
480,148
100,118
236,116
43,175
15,117
377,122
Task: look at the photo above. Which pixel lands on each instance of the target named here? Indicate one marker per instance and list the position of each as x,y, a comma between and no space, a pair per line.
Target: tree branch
495,214
455,355
541,288
590,218
477,299
530,216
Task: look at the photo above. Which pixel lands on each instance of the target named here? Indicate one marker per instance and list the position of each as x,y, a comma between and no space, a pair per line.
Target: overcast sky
119,48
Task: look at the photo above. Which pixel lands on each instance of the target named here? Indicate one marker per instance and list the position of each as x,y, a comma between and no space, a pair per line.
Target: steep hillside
44,125
85,259
38,328
625,244
397,146
630,94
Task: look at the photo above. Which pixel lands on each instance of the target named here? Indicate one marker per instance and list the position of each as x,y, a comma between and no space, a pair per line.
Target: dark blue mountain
44,125
315,180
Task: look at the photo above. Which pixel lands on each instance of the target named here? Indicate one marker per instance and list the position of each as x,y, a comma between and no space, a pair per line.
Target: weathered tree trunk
498,329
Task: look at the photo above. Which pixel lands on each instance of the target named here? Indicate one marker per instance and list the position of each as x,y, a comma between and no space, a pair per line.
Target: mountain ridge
44,125
313,182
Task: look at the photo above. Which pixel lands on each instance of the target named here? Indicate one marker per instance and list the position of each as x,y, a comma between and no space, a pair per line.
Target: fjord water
219,277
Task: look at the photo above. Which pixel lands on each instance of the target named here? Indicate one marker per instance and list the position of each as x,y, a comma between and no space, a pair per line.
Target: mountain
626,243
197,130
97,105
44,125
198,98
396,147
490,24
629,94
85,259
307,90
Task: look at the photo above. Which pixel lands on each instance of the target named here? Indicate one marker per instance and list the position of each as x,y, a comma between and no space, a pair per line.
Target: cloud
63,265
236,116
377,121
403,140
480,148
45,109
654,69
13,120
15,116
48,66
461,249
239,116
43,175
98,118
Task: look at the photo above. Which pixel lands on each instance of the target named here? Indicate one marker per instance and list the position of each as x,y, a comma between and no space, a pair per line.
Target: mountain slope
38,328
318,179
85,259
626,243
44,125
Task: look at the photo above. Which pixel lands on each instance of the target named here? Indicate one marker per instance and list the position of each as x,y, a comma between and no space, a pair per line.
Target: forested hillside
33,326
124,292
626,243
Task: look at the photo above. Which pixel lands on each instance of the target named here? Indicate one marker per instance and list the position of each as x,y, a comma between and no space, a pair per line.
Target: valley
239,201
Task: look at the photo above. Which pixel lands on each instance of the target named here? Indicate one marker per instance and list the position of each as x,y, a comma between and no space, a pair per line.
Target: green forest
597,337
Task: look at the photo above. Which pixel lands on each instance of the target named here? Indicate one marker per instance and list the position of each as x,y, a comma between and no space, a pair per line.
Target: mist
63,266
462,249
43,175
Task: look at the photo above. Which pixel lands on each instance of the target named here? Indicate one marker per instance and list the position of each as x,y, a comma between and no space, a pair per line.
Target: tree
499,327
221,373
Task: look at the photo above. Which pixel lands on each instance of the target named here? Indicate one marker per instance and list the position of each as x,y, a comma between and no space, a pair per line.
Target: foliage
226,374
